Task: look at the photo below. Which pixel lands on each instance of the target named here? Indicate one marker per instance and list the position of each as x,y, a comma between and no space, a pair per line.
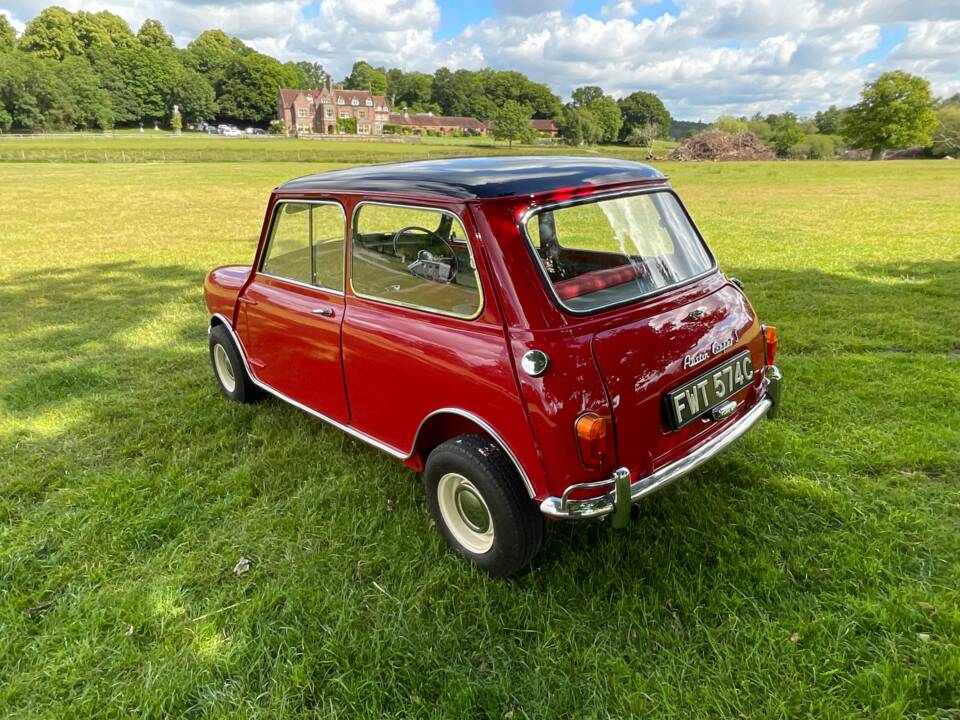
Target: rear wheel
229,369
480,505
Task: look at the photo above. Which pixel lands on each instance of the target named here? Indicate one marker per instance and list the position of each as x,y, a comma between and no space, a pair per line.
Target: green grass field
196,147
812,570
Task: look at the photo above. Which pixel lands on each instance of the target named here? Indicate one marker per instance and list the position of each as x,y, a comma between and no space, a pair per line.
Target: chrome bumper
623,494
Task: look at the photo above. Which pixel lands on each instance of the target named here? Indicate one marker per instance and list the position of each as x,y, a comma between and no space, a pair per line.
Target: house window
363,129
303,128
301,112
328,113
344,113
362,113
354,102
339,101
369,102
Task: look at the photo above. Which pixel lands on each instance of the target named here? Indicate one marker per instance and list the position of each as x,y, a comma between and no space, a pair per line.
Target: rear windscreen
607,252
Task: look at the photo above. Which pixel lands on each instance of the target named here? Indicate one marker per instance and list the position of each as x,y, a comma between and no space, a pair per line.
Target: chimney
328,83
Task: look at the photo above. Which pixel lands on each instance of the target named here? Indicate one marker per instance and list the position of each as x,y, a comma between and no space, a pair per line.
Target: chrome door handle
325,311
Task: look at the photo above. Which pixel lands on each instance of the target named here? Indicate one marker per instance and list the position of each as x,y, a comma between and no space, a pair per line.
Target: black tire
516,523
243,390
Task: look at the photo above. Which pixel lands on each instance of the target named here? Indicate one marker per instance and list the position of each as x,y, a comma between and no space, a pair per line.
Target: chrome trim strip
400,303
487,429
619,503
389,449
599,197
308,286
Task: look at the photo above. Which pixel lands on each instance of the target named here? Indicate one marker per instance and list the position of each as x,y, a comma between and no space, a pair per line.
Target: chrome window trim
599,197
389,449
398,303
266,245
300,284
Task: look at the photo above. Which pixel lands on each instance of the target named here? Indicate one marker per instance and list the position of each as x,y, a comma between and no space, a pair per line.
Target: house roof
289,95
544,125
479,177
428,120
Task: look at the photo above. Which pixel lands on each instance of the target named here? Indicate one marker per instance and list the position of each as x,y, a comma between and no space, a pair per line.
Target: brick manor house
315,112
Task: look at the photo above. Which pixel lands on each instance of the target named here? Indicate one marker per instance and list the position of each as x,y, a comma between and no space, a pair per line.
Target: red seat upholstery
596,280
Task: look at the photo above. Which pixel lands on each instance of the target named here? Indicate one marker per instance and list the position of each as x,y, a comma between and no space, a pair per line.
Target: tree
785,132
250,87
102,29
578,125
946,136
641,109
586,96
604,112
512,122
212,54
643,136
364,76
895,110
313,73
8,36
730,124
828,121
90,102
153,35
193,94
51,34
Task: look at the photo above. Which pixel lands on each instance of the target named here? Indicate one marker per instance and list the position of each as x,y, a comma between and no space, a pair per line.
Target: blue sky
703,57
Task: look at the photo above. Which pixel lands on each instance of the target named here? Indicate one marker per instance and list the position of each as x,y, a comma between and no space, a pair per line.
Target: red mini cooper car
540,336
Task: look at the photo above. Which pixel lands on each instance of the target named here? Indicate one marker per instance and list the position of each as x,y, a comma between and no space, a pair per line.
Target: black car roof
473,178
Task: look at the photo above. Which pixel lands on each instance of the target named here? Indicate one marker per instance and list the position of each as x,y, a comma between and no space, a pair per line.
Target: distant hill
680,128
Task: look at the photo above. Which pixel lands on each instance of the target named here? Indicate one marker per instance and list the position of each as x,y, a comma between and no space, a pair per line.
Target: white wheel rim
221,361
465,513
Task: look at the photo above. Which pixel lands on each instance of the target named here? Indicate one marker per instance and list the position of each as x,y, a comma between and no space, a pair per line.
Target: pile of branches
718,145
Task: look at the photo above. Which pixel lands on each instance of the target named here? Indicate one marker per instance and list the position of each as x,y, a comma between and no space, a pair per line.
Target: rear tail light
769,343
593,433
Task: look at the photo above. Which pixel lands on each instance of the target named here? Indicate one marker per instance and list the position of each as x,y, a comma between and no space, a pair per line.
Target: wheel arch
447,423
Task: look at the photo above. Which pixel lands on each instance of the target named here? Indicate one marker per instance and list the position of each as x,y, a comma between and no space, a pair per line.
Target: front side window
607,252
306,245
416,257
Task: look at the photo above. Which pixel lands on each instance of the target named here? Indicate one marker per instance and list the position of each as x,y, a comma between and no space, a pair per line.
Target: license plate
706,391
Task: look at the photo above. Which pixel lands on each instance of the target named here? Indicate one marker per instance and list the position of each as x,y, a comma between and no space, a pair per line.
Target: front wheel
229,369
481,506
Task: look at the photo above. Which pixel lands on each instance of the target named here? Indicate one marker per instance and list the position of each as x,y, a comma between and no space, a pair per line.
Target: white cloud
706,58
620,10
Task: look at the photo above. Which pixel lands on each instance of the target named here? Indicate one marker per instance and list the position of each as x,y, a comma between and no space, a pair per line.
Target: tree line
897,110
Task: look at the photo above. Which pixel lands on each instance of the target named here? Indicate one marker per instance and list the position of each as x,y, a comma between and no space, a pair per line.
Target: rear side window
416,257
306,244
608,252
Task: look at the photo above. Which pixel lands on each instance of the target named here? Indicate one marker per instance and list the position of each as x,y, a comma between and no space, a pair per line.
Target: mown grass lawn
199,147
812,570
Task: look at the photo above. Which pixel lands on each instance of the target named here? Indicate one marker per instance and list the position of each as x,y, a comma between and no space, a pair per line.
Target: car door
291,311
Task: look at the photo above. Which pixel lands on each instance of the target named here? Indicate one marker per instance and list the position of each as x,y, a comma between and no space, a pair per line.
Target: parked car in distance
211,130
541,337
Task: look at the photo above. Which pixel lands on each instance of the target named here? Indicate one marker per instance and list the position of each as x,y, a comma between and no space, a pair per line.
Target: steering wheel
453,256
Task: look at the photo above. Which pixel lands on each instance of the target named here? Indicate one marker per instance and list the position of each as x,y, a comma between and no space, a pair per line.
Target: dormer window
369,102
340,101
354,101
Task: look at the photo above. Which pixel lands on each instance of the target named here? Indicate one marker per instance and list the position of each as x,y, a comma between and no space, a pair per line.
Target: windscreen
607,252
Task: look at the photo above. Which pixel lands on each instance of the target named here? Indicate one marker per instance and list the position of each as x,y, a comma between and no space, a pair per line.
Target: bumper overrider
623,494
